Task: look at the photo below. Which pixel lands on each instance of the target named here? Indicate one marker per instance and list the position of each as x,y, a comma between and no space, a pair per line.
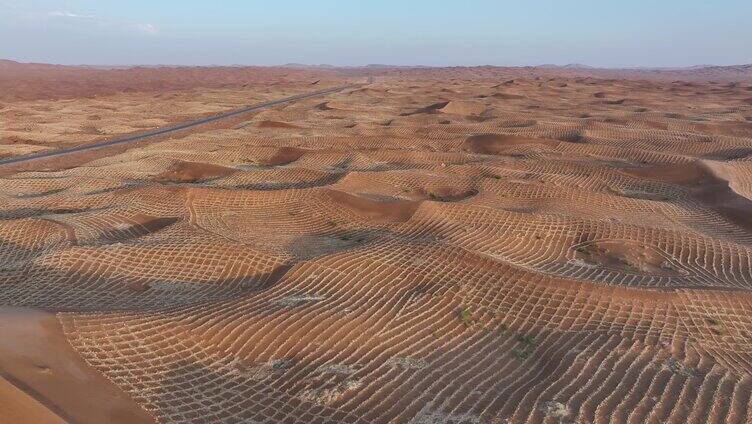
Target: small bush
466,317
526,339
520,353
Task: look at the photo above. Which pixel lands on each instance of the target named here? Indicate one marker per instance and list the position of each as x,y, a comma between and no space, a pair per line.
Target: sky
604,33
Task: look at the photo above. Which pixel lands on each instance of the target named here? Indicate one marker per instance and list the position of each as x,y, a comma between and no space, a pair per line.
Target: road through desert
440,245
171,129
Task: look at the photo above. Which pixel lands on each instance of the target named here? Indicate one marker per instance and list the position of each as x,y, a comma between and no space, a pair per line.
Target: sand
19,407
43,380
443,245
40,125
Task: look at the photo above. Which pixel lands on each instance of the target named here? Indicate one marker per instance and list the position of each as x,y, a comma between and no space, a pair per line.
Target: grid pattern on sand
467,251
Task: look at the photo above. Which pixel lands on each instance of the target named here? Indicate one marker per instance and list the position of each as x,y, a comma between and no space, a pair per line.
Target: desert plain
421,245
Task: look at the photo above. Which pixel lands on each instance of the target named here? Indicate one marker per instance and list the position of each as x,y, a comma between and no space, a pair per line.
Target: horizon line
383,65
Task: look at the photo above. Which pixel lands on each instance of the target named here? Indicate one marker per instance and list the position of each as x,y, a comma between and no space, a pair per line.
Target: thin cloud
71,15
145,28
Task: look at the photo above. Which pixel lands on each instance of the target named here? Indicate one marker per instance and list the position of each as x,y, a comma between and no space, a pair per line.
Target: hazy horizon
640,34
323,65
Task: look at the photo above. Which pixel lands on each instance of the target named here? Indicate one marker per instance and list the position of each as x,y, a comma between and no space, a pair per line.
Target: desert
417,244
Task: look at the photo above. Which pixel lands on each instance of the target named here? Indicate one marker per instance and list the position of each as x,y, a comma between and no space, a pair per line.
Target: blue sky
606,33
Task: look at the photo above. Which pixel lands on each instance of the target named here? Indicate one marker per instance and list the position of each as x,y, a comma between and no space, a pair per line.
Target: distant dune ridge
22,81
29,81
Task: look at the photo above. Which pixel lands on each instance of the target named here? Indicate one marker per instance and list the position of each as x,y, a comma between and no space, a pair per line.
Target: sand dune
440,246
44,380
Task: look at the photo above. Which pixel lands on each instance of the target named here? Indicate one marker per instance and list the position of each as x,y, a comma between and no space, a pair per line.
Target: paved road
174,128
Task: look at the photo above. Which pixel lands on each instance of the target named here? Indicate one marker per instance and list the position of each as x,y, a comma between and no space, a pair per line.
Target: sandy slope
468,250
45,381
19,407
